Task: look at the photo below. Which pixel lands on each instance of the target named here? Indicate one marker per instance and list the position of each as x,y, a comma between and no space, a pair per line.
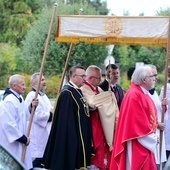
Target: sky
135,7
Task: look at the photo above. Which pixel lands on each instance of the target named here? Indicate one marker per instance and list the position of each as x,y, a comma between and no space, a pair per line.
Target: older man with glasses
92,92
135,139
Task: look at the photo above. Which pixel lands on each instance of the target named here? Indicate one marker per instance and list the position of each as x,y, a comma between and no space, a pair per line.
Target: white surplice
158,105
41,127
13,125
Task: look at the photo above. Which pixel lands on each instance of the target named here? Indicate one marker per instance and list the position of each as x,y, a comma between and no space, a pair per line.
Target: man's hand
35,102
161,126
28,141
164,101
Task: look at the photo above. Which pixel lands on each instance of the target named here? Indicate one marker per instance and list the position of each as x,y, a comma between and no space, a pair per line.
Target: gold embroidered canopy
113,30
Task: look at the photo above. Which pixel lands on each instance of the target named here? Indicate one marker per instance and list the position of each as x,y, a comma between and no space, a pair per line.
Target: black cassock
70,142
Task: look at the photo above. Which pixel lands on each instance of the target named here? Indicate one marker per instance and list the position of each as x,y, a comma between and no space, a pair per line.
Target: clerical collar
76,88
15,93
95,88
40,92
72,84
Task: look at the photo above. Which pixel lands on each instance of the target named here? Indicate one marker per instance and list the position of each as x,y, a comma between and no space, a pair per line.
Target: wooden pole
164,92
109,75
66,66
40,77
64,73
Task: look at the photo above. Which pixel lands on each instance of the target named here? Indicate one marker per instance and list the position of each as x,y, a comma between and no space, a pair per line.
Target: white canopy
113,30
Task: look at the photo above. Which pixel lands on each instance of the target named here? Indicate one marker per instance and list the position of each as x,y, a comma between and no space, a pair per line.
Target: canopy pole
66,66
164,92
64,73
40,77
109,75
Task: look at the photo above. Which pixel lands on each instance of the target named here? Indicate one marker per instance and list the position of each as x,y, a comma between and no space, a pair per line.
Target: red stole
101,149
138,118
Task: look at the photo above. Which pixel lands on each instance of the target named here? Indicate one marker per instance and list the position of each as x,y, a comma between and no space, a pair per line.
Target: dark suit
105,86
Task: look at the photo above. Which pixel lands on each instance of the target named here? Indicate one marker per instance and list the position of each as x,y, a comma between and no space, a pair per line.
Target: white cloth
13,125
157,103
108,110
88,26
148,141
167,119
167,165
40,128
125,30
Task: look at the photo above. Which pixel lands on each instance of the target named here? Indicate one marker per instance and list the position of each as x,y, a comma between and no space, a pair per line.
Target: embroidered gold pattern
113,27
86,106
153,117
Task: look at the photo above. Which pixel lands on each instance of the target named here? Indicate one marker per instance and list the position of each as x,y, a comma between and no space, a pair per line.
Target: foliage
127,57
153,55
97,5
8,58
11,60
163,12
125,83
34,43
52,83
16,18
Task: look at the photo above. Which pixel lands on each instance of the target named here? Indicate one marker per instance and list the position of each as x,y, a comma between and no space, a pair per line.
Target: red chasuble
137,118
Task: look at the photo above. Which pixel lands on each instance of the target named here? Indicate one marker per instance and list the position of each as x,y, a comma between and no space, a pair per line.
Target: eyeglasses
154,75
98,78
82,76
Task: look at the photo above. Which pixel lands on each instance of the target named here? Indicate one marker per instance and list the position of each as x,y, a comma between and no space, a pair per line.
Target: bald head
93,75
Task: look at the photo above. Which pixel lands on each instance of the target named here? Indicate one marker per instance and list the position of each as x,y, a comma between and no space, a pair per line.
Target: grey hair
140,74
34,78
152,66
91,69
15,79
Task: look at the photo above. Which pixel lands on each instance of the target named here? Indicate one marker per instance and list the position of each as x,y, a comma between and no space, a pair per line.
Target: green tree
97,5
163,12
11,59
16,18
127,56
34,43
